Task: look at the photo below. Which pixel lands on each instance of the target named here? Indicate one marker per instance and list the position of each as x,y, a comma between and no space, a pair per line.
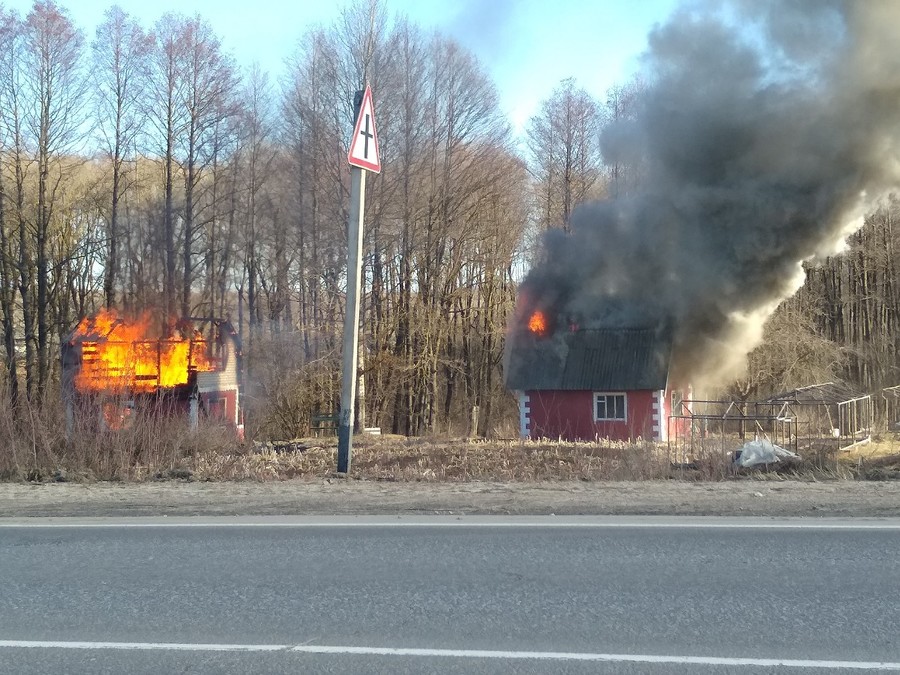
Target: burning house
589,384
112,367
759,138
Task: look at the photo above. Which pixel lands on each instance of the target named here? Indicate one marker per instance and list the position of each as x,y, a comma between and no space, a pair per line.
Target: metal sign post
363,156
351,317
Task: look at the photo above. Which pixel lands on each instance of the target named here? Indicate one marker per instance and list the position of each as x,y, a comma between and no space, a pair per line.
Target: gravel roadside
353,497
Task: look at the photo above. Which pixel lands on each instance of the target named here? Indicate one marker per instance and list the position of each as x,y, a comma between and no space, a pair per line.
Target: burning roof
538,324
592,359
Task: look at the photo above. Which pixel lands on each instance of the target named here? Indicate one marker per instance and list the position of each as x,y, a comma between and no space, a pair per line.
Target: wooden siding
569,415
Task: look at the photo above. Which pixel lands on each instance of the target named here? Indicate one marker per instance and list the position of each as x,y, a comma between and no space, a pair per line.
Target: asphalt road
488,595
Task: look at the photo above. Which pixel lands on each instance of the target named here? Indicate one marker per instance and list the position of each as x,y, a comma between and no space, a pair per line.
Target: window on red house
609,407
216,408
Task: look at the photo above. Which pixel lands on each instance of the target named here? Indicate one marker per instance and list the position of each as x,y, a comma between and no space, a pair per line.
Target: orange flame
537,324
117,355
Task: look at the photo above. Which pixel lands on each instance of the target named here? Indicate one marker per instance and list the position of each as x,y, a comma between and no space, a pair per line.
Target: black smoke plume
764,134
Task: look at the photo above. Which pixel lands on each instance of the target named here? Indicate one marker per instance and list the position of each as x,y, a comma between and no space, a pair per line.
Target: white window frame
598,394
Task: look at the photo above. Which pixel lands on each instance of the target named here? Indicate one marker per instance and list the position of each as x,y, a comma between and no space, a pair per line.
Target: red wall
570,415
220,406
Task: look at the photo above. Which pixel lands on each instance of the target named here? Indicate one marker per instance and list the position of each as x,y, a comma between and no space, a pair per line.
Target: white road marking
462,654
892,524
133,646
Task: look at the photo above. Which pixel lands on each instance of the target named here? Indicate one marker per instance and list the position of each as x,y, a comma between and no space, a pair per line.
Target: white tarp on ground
762,451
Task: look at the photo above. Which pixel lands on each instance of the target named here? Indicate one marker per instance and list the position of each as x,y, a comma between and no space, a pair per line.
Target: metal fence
814,429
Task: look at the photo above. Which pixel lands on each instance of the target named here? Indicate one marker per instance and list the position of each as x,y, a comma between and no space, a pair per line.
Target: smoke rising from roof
765,132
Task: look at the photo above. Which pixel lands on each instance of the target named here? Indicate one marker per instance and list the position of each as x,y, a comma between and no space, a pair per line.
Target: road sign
364,144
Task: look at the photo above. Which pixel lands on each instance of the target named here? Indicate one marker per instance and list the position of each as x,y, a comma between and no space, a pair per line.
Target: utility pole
363,156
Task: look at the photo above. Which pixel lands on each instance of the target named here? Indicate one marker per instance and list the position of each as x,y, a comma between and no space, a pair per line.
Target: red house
592,384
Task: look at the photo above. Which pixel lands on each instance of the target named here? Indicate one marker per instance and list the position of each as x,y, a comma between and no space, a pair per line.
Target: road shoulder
352,497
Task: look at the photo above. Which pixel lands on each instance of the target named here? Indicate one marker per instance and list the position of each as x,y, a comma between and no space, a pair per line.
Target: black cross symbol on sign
367,134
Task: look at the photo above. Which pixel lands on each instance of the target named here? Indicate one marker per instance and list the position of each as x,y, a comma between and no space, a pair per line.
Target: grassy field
37,447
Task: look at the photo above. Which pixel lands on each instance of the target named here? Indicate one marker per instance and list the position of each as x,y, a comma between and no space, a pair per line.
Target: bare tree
7,296
169,117
10,219
623,168
403,120
13,110
121,50
253,163
360,35
565,157
793,354
220,217
208,98
56,87
260,157
314,123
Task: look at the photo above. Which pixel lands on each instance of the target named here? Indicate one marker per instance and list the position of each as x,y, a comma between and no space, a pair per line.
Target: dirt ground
340,496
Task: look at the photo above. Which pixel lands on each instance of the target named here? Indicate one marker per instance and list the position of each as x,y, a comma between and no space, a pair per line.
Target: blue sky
528,46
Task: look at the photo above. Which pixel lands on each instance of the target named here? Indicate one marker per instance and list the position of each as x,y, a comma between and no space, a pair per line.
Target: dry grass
396,459
34,445
884,445
401,459
39,443
877,460
455,460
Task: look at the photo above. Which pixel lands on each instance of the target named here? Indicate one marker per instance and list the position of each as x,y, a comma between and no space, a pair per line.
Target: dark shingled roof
595,359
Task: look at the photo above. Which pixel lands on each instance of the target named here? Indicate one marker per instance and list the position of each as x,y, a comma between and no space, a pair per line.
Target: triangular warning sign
364,144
